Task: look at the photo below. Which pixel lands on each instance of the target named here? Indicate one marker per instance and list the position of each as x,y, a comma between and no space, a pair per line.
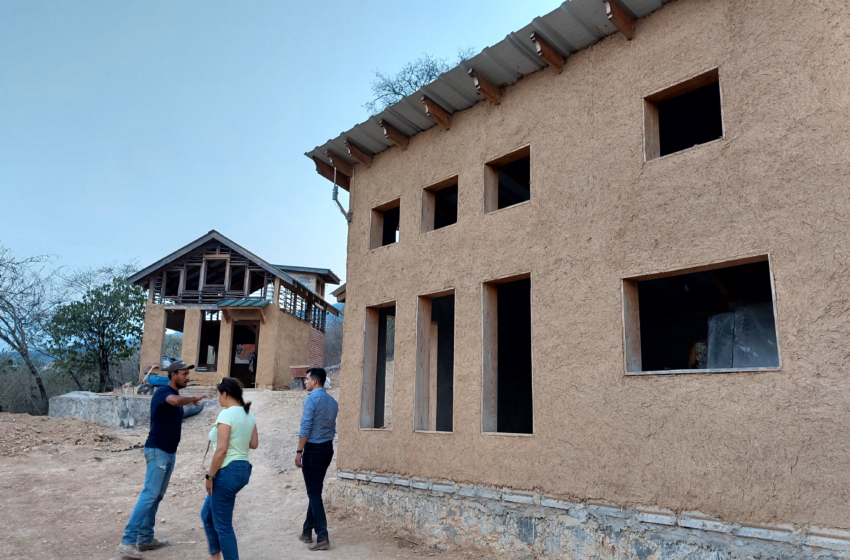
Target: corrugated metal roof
574,25
243,303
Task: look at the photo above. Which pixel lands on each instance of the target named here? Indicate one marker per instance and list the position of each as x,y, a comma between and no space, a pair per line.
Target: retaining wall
114,411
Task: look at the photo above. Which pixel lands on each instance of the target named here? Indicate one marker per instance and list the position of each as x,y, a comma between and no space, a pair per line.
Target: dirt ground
67,488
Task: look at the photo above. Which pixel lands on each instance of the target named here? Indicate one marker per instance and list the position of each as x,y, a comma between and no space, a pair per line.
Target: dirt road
64,496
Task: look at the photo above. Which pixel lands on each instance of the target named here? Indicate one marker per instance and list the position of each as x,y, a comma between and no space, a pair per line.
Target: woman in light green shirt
234,433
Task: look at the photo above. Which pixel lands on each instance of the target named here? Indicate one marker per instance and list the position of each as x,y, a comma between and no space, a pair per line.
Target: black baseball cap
177,366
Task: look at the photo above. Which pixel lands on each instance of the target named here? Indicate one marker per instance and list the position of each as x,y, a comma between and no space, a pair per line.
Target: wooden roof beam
548,53
437,113
620,18
341,164
395,135
358,154
485,87
326,171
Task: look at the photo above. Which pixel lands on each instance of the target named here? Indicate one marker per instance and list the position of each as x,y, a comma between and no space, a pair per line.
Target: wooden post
394,135
437,113
485,87
631,325
341,165
548,53
358,154
620,18
432,379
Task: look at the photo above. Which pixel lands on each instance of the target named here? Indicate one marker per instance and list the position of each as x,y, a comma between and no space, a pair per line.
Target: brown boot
305,538
323,545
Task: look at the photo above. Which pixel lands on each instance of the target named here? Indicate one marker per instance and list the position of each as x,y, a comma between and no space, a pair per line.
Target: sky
129,129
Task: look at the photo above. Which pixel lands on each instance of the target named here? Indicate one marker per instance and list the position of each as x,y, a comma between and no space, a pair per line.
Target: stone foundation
114,411
525,525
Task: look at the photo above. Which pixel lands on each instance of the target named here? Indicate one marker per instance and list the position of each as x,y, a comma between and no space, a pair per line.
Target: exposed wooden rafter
620,18
340,163
485,87
394,135
548,53
358,154
326,171
437,113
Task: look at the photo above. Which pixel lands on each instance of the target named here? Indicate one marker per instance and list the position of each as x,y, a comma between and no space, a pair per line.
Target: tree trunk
74,377
45,401
105,382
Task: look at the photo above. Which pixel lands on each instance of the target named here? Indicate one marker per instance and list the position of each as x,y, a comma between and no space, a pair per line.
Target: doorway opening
243,364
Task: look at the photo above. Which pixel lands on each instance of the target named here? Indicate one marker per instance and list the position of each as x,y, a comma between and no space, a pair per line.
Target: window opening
216,269
237,278
385,224
193,278
435,363
378,368
172,283
208,346
683,116
439,205
508,180
257,282
717,319
508,397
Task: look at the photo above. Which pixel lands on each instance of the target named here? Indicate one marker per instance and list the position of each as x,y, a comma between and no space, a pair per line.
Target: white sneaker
128,551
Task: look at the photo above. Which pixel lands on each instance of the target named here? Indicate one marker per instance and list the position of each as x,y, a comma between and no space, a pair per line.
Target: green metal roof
243,303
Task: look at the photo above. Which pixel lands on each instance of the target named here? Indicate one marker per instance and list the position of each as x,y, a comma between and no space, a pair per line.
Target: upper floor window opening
439,205
386,222
507,180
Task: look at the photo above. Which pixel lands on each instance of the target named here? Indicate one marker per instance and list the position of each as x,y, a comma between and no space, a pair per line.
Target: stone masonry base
524,525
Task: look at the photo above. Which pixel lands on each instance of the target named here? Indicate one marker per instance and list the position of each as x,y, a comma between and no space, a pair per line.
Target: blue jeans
139,528
217,513
314,465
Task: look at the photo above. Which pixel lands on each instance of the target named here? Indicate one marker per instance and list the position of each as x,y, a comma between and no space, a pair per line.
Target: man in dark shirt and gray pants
160,451
315,451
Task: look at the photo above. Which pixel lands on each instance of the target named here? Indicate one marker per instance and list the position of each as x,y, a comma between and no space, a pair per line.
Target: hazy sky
128,129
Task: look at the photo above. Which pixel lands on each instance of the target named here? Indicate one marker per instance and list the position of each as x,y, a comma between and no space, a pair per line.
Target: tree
413,75
172,346
103,327
28,297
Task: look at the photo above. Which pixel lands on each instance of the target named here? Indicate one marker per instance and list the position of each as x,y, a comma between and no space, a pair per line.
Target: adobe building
240,316
614,248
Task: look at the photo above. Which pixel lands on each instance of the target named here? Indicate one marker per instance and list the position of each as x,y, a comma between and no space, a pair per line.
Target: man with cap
160,450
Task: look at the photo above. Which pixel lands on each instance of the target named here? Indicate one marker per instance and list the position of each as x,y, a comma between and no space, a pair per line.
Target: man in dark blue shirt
160,451
314,454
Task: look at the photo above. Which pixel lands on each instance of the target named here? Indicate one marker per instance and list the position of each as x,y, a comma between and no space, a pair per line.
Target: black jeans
314,464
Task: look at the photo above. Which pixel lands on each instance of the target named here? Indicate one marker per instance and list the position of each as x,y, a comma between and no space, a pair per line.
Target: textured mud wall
283,343
191,336
152,337
745,447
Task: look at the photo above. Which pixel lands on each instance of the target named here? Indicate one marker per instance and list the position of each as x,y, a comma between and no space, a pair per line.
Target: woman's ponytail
233,387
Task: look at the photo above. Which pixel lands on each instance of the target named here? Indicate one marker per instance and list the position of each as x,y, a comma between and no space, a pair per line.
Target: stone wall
524,525
114,411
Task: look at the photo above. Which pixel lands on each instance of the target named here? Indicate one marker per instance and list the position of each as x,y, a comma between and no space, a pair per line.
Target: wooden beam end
485,87
620,18
548,53
436,113
394,135
357,153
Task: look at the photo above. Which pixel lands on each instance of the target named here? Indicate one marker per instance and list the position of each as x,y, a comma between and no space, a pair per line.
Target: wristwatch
208,477
299,451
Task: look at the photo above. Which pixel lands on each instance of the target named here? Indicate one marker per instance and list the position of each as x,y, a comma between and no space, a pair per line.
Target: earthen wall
746,447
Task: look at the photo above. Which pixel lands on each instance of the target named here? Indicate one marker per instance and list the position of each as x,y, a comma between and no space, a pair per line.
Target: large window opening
439,205
378,368
508,396
386,221
237,278
216,271
192,278
257,283
508,180
172,283
683,116
434,391
714,319
208,346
